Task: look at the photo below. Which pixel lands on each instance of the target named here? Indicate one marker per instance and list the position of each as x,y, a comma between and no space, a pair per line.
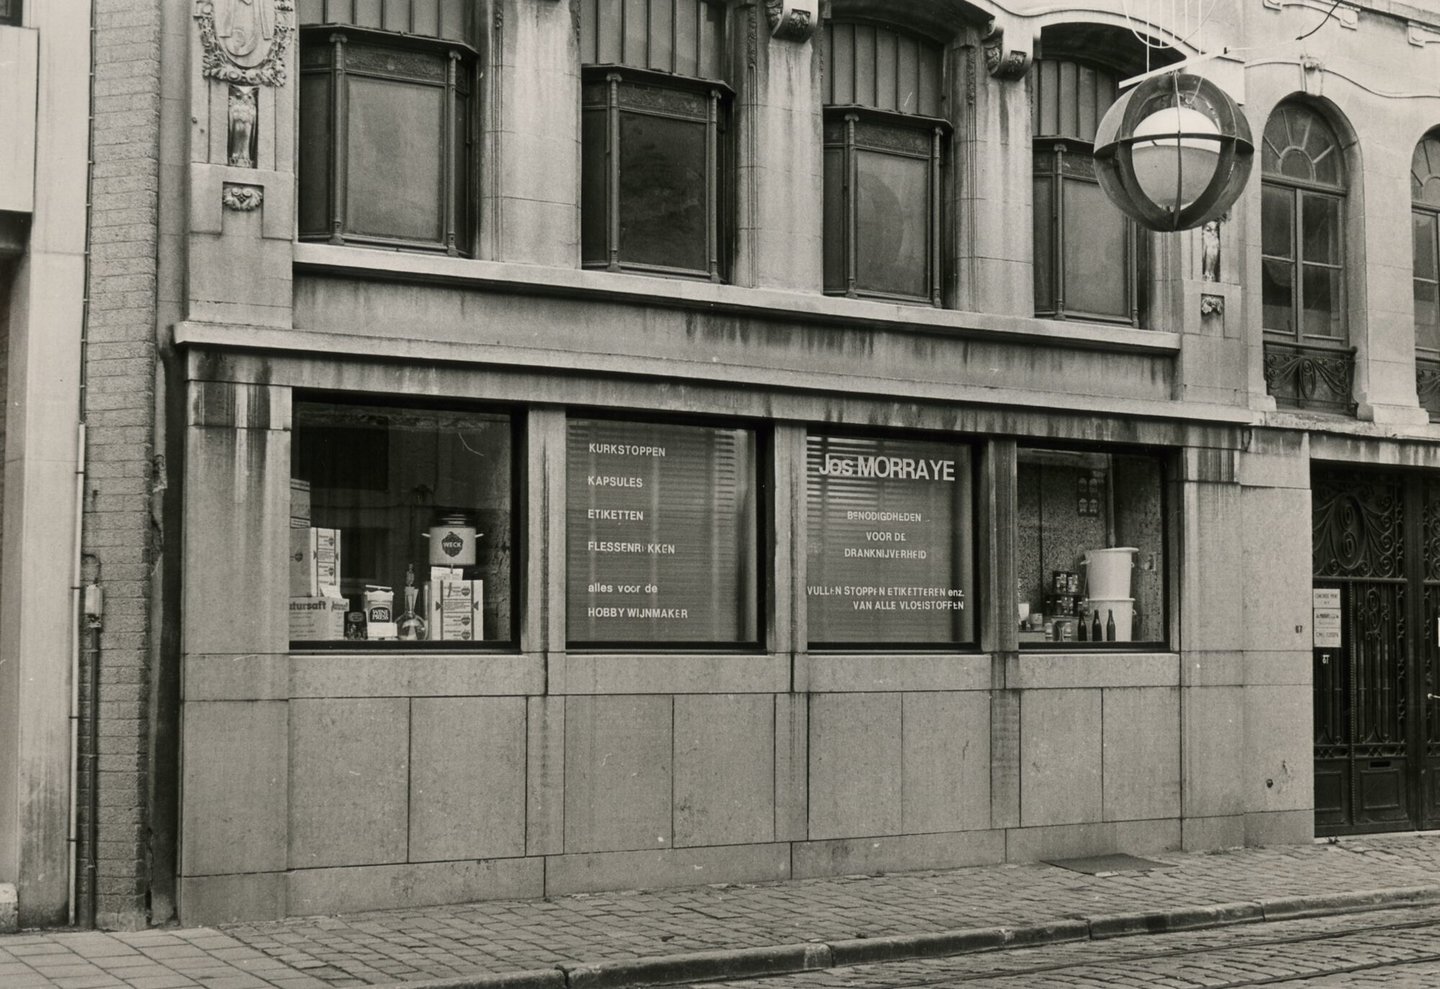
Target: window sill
713,297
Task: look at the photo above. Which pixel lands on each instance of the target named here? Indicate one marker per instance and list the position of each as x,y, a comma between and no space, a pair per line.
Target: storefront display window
662,533
890,552
400,526
1090,548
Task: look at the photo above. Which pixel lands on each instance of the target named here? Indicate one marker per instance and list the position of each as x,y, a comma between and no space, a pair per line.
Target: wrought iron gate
1377,731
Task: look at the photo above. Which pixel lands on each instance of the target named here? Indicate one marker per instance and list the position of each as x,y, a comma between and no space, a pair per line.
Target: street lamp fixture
1174,152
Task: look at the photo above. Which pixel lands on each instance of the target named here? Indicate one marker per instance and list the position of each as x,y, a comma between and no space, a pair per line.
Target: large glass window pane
1277,279
890,550
315,141
892,224
661,534
594,192
1423,228
1090,548
1277,222
662,191
401,525
836,236
1322,314
1094,253
395,147
1427,318
1320,223
1043,229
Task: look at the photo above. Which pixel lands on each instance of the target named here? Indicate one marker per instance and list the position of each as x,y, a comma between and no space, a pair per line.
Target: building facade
534,446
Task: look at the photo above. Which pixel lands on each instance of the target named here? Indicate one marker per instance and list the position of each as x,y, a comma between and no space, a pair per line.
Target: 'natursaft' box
317,619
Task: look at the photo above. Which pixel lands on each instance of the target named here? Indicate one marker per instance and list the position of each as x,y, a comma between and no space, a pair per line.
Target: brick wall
120,366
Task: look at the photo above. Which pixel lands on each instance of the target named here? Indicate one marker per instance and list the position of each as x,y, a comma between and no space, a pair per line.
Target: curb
788,959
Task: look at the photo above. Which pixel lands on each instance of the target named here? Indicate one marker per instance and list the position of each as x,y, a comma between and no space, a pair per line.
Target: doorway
1376,547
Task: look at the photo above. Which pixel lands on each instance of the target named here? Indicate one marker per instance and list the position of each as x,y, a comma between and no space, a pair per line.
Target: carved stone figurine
1210,252
242,114
245,29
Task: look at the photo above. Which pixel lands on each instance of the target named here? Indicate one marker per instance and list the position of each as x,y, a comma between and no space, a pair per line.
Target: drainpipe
80,598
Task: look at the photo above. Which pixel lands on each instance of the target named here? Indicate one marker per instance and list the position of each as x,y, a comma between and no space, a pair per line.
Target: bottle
1109,626
1095,628
1081,630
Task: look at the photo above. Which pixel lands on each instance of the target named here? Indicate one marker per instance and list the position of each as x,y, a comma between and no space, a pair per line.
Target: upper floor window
1301,217
1088,255
884,147
654,128
10,11
1425,223
386,123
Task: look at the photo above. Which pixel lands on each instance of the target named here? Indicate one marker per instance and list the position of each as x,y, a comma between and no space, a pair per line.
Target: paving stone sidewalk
598,939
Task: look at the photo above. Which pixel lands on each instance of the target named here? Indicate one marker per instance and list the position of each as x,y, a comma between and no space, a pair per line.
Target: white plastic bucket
1107,572
1124,611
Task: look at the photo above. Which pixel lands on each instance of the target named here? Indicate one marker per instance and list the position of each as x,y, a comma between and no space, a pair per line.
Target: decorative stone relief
1210,252
244,41
1003,63
1343,14
242,198
792,20
1212,305
243,110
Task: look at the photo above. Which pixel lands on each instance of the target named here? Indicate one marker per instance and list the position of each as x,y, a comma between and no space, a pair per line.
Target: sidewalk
614,939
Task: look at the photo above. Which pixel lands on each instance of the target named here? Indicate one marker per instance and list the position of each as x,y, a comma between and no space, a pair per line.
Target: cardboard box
455,612
317,619
315,562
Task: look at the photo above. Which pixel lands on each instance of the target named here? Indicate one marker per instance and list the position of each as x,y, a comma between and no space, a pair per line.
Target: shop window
662,535
402,527
884,148
10,11
654,137
890,556
1308,362
1090,549
1089,258
1425,224
386,135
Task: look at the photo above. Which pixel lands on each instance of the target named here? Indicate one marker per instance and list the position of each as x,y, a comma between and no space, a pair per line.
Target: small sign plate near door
1326,617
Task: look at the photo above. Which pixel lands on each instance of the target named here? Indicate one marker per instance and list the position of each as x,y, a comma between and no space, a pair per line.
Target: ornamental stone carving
244,41
1004,63
243,110
792,20
242,198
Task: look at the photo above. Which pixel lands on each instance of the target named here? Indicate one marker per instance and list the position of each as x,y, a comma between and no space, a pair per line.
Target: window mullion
851,191
1057,215
447,135
1297,280
934,243
339,140
712,238
1132,271
612,170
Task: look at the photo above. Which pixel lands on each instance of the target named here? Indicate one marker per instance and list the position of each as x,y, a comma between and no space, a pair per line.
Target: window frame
854,118
12,12
762,478
510,644
1135,255
1298,192
456,209
1164,459
976,602
613,80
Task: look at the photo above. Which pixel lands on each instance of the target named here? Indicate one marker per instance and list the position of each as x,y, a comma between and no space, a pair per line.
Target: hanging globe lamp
1173,152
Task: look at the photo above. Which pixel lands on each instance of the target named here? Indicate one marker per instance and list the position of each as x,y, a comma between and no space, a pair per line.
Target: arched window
654,124
386,134
1425,223
885,136
1088,256
1308,362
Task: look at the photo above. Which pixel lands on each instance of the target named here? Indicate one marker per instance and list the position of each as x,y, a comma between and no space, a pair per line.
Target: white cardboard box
456,610
315,562
317,619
